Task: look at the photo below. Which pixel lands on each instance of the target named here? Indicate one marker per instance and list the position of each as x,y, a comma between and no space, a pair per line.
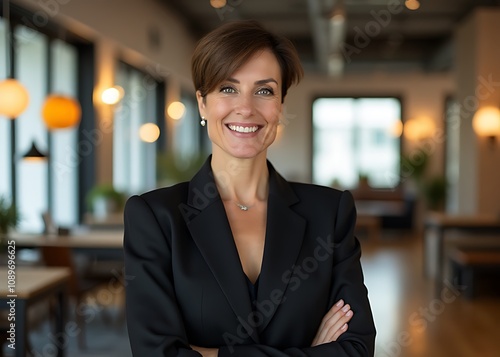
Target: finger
329,322
338,328
333,310
333,324
333,329
339,332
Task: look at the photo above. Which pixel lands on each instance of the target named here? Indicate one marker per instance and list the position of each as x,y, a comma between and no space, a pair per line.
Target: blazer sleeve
154,321
347,284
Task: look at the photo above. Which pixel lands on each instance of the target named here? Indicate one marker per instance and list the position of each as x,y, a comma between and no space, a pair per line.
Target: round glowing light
14,98
419,129
486,122
112,95
217,4
61,112
149,132
176,110
412,4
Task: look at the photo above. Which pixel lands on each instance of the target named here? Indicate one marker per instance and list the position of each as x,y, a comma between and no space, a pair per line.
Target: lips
243,129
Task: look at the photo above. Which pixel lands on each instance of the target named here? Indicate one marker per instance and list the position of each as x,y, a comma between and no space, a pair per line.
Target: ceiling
369,35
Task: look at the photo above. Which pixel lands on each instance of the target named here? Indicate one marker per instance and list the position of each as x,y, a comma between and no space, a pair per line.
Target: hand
206,352
334,323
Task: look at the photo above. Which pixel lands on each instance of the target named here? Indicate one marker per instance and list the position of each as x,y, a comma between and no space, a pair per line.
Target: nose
244,105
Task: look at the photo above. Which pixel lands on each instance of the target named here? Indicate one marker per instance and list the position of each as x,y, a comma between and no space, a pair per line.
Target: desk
32,285
437,224
91,240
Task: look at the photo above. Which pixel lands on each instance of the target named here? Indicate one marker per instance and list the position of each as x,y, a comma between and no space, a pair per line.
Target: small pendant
242,207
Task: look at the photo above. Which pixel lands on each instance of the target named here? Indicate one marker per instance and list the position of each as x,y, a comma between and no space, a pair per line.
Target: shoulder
321,203
316,193
161,198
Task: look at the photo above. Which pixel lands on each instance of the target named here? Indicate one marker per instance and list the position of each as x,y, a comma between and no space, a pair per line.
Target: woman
239,261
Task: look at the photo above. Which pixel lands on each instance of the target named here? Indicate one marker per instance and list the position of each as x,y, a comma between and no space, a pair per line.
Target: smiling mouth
243,129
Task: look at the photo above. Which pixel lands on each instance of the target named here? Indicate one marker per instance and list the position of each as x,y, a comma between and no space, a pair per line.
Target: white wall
478,78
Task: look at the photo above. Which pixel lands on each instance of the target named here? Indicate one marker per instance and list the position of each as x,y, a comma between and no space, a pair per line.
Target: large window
354,137
134,160
44,65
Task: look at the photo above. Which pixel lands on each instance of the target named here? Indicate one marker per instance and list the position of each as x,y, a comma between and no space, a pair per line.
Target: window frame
19,16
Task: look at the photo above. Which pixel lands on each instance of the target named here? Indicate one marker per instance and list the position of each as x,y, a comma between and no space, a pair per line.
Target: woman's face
243,112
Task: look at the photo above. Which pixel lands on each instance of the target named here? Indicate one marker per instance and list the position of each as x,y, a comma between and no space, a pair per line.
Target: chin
245,154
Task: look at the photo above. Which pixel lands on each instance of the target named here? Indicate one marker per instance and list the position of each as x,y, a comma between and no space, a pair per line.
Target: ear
201,103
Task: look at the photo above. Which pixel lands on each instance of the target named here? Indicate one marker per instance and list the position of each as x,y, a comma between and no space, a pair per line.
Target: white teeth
243,129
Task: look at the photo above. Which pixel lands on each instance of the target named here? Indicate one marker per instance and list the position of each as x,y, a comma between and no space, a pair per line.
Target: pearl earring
203,121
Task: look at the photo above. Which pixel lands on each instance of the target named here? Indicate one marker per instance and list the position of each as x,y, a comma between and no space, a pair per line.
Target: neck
243,181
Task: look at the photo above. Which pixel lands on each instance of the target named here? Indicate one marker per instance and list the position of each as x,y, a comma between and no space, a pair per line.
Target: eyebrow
259,82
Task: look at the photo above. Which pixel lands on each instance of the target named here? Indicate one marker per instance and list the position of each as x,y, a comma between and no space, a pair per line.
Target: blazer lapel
207,222
211,232
284,235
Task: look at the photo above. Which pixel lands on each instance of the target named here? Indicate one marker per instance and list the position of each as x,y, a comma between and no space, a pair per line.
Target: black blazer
186,285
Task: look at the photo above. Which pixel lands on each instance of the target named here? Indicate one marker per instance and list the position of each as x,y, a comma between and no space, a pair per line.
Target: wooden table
31,286
437,224
104,239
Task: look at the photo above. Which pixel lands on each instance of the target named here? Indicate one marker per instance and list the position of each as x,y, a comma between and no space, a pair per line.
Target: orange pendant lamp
14,98
60,112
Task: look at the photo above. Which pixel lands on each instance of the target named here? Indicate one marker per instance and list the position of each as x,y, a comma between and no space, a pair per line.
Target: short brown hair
221,52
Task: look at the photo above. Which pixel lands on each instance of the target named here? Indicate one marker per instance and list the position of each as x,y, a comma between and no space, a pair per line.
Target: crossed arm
333,325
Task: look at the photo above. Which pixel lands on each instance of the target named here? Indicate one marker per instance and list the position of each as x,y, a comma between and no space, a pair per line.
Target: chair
60,256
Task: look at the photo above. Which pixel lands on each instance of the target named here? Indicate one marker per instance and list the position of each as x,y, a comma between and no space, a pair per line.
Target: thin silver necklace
243,207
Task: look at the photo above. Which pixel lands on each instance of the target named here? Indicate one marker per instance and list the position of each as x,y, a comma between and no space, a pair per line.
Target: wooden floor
411,321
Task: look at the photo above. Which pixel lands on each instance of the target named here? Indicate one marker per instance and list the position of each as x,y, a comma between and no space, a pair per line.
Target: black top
252,289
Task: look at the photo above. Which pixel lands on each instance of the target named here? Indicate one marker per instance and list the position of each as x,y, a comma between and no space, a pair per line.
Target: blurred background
399,104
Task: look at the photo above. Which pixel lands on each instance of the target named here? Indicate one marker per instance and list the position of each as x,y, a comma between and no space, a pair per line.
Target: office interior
400,104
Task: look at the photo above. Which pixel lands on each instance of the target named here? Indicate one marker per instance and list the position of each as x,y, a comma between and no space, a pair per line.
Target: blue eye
265,91
227,89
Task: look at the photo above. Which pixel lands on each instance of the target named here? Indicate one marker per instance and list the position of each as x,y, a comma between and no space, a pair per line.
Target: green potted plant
170,169
414,165
104,199
9,218
435,192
